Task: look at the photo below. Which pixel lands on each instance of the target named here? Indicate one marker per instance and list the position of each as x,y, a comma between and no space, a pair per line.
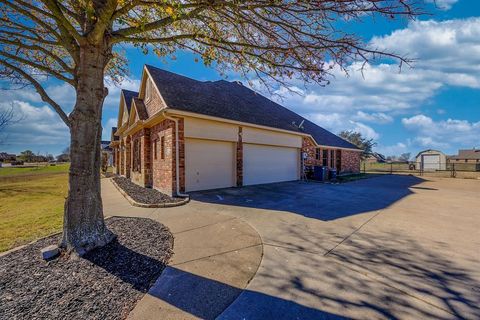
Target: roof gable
126,97
233,101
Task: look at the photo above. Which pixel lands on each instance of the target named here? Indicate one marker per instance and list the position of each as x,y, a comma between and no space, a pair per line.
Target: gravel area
143,195
104,284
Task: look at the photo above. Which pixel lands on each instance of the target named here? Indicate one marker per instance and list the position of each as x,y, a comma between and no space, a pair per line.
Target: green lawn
41,169
31,203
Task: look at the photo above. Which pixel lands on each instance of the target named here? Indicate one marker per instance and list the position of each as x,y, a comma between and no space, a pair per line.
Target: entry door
209,164
267,164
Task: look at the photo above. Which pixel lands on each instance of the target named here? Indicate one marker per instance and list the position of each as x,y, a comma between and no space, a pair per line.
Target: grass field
31,203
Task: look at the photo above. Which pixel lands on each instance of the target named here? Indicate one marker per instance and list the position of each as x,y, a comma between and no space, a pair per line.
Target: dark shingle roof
231,100
141,110
129,95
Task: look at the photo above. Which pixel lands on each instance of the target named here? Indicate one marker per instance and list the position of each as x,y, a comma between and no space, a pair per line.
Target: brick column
122,158
128,157
239,158
145,148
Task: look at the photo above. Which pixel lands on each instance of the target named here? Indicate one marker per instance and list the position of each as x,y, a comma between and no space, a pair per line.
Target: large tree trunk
83,226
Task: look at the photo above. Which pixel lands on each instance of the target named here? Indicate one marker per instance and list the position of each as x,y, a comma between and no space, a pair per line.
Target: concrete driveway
396,247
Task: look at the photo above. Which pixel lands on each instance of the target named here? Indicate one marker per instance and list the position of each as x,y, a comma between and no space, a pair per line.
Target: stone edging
148,205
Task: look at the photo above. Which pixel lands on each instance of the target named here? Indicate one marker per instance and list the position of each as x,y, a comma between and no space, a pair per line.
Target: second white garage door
266,164
209,164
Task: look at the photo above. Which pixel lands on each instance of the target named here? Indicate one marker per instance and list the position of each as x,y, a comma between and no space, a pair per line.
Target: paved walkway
392,247
215,256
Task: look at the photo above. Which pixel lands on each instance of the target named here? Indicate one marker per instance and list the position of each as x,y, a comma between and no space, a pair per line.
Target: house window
318,153
155,149
162,148
332,158
324,158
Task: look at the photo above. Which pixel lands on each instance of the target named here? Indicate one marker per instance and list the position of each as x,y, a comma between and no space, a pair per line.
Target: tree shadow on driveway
389,277
317,200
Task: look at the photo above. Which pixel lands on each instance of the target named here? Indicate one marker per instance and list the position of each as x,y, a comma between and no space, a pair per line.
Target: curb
148,205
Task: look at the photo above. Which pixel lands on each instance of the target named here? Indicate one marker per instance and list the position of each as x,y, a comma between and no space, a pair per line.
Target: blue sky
434,104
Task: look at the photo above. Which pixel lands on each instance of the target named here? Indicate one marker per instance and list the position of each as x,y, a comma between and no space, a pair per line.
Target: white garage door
266,164
209,164
431,162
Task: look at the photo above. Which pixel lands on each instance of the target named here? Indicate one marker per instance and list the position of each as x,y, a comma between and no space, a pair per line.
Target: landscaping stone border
148,205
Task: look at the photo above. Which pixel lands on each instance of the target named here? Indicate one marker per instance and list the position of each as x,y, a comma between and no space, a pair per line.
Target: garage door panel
208,164
267,164
431,162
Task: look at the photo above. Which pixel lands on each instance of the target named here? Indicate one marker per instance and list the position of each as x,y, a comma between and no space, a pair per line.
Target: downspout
177,158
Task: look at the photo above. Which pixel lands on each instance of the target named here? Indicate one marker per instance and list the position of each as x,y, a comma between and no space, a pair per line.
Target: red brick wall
163,170
154,103
350,161
144,176
309,147
128,156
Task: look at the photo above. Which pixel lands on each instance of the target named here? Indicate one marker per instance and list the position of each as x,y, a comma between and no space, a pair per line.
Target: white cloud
113,98
40,126
448,51
376,117
107,128
443,4
393,150
447,54
444,134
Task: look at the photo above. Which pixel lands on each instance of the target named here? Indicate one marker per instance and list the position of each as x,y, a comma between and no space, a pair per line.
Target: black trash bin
320,173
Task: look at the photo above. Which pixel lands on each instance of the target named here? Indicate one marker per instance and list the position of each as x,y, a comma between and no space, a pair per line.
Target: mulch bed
144,195
104,284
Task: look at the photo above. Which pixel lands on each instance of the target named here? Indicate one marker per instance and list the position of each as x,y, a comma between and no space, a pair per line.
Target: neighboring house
431,160
466,156
216,134
107,151
467,159
7,157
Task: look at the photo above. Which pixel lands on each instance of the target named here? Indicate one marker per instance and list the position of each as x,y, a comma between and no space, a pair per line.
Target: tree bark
83,226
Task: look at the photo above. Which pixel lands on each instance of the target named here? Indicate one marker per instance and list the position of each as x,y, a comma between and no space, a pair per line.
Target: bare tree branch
38,87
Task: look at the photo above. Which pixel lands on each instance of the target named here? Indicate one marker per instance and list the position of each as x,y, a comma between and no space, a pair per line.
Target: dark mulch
144,195
105,284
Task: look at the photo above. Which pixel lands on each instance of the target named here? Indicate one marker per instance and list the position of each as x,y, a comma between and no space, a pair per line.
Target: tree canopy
357,139
272,40
79,43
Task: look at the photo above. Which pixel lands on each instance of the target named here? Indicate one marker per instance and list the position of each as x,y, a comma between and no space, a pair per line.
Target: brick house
215,134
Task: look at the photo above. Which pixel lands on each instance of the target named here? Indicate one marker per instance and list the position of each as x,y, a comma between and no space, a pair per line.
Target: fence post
364,167
391,167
